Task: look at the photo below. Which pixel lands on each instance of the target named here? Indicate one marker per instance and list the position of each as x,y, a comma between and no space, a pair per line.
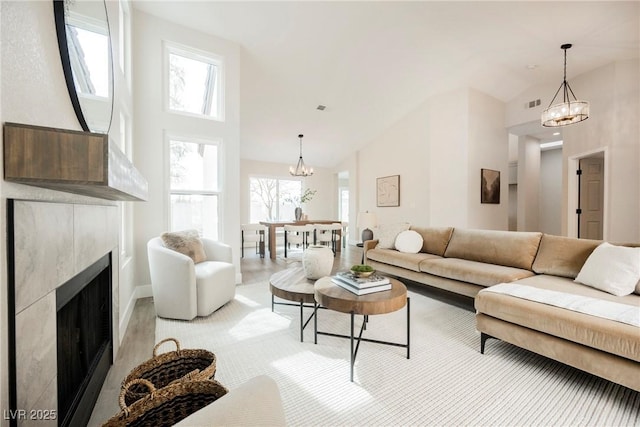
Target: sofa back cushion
434,239
509,248
563,256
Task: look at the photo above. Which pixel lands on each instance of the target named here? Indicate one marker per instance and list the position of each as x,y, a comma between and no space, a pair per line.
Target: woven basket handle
155,349
125,388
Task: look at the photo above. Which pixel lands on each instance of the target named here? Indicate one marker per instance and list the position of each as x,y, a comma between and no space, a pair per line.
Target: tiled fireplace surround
52,243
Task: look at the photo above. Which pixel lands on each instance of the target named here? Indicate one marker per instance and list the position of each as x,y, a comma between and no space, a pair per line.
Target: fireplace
62,267
84,346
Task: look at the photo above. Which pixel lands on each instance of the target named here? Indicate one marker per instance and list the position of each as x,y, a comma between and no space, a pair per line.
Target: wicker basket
167,405
163,369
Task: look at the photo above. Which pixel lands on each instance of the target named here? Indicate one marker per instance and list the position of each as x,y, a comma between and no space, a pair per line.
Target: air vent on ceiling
532,104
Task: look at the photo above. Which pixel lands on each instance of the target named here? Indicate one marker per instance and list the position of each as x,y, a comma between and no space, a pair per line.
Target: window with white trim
194,186
194,82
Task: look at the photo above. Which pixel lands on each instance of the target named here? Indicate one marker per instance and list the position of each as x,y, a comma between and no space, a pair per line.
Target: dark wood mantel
71,161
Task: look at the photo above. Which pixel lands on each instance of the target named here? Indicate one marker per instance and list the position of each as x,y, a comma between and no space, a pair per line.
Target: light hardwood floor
139,338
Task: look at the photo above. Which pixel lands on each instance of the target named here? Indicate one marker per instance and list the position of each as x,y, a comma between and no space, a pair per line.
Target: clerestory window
194,83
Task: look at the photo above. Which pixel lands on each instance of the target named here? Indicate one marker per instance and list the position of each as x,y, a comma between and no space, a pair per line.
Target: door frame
573,163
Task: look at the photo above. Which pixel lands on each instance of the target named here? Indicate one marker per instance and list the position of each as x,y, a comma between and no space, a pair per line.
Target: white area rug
445,382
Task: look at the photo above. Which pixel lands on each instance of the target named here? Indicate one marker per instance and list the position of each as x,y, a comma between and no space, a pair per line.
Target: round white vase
317,261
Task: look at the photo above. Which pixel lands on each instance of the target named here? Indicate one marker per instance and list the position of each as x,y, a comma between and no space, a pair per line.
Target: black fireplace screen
84,341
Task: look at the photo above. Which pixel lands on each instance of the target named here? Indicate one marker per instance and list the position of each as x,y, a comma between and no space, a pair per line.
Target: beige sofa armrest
368,244
257,402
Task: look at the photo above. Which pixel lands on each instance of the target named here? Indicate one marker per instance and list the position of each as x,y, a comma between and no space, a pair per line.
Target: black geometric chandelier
567,112
300,169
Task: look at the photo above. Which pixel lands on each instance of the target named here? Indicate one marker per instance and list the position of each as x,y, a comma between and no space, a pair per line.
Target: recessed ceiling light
556,133
532,66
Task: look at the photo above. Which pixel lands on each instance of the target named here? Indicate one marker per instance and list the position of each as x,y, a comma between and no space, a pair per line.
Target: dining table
273,225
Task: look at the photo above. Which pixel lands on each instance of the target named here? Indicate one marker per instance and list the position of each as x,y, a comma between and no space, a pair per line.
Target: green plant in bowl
362,270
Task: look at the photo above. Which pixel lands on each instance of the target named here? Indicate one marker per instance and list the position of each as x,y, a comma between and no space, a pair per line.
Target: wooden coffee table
292,285
333,297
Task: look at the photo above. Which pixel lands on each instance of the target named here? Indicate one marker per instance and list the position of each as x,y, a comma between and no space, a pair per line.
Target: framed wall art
490,186
388,191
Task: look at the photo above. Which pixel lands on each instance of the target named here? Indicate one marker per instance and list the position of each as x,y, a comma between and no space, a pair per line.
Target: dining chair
327,234
253,233
295,234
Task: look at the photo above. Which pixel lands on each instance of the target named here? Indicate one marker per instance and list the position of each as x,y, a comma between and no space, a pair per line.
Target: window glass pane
344,205
195,211
288,190
192,86
263,199
194,166
89,61
268,199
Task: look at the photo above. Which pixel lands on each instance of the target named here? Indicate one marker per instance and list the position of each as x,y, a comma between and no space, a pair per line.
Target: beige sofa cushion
563,256
472,271
602,334
508,248
399,259
434,239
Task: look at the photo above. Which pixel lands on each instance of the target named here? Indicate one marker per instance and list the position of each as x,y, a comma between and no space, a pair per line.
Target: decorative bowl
362,270
363,273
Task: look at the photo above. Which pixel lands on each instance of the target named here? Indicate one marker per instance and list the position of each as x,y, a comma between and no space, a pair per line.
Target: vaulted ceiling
371,63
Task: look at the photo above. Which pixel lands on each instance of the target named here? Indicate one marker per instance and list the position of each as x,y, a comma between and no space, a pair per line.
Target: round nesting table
292,285
333,297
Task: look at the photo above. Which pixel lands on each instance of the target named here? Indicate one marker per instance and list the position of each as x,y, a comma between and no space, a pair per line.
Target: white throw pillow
409,241
613,269
387,233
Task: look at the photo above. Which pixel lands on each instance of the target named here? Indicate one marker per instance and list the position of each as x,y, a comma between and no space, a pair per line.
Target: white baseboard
124,321
143,291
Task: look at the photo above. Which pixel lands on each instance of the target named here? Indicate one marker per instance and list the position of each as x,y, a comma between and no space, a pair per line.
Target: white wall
33,91
438,151
153,122
488,143
447,120
528,183
324,204
400,150
550,213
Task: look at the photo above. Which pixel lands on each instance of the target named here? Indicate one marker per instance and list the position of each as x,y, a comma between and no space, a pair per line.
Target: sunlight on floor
247,301
258,324
334,391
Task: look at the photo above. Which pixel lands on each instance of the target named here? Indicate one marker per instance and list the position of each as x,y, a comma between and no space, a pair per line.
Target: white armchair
184,290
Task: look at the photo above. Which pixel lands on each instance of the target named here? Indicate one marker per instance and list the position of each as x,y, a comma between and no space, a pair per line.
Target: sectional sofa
525,293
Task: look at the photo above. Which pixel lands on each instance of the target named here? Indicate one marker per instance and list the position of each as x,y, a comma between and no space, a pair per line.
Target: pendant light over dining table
300,169
567,112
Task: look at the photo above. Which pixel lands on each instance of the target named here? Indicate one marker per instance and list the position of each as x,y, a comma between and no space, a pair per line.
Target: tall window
194,83
270,198
194,186
344,204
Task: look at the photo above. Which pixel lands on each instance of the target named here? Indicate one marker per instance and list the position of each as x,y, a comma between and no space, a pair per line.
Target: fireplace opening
84,343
